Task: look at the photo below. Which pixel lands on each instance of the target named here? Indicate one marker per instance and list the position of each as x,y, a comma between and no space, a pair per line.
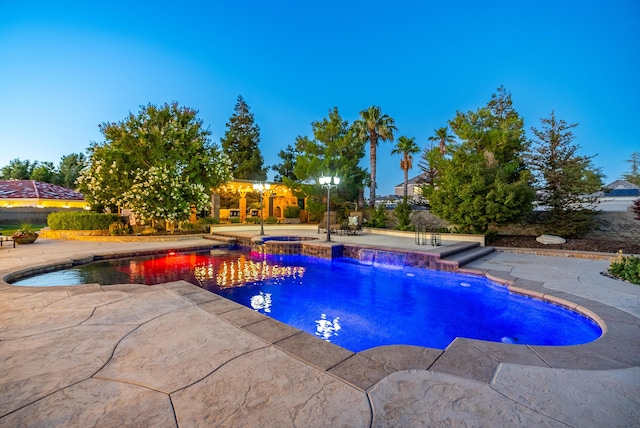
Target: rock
550,239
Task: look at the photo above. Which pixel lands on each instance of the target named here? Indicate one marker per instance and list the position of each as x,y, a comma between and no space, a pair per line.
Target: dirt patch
597,245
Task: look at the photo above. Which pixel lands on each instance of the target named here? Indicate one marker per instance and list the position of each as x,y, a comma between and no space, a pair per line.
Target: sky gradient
66,67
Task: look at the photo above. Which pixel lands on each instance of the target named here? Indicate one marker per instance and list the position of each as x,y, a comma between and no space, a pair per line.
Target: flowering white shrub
160,193
98,184
159,163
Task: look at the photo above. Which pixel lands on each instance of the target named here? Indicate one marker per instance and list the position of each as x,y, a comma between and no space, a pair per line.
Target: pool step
465,255
457,248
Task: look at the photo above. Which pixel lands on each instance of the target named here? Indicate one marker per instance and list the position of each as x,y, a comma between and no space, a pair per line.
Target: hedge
81,220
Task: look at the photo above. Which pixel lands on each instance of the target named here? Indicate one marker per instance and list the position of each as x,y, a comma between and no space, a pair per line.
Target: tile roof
31,189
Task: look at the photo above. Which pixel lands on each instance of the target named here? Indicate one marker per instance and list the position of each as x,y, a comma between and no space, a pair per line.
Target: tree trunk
372,160
406,182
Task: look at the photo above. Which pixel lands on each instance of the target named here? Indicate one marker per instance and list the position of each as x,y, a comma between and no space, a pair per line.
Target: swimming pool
353,305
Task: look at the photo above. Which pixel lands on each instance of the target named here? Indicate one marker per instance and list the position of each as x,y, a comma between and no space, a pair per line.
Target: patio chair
354,223
333,225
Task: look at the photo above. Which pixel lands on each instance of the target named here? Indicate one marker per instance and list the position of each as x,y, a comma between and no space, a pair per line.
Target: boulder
550,239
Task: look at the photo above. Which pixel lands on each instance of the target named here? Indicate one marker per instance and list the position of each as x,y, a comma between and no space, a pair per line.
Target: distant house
621,188
617,196
413,187
36,194
389,201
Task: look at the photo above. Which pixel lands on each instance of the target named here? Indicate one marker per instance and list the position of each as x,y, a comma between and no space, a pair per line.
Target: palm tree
443,137
406,147
374,126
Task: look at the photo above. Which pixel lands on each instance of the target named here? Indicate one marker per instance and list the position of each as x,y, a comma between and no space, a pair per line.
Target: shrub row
80,220
627,268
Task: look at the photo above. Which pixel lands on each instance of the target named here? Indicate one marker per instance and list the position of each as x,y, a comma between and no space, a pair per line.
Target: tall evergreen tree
563,178
286,168
334,149
483,179
429,158
373,126
241,144
633,176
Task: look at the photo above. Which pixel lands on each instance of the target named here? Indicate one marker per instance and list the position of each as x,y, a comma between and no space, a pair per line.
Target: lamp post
329,183
261,188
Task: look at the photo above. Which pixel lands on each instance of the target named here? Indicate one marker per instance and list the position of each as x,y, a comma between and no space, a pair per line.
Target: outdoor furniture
353,224
333,225
322,228
4,239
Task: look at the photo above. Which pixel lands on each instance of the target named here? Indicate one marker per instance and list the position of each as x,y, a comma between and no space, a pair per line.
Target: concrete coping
618,347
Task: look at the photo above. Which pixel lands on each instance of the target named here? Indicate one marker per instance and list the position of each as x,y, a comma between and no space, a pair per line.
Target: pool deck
175,355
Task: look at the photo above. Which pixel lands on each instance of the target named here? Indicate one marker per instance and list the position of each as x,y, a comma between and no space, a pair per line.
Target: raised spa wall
330,250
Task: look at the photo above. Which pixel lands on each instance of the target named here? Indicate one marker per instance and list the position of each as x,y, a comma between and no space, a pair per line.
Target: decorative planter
25,239
291,220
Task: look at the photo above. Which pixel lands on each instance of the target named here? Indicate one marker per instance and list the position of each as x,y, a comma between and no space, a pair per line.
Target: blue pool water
353,305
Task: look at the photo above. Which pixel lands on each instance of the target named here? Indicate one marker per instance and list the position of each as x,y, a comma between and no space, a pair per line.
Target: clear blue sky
67,66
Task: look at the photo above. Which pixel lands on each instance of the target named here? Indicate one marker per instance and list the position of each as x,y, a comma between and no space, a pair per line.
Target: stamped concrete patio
176,355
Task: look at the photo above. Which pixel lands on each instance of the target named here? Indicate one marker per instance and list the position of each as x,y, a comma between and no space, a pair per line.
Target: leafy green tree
69,169
442,137
563,178
45,172
406,147
633,176
483,179
159,162
241,144
334,149
286,168
373,125
18,170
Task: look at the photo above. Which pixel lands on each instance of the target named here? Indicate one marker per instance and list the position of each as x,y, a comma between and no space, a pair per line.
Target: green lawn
8,229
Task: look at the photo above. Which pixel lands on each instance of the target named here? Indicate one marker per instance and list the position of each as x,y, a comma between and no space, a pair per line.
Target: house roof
31,189
621,185
415,180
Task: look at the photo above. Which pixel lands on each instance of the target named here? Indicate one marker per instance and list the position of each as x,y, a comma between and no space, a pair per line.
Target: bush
118,228
636,208
626,268
81,220
316,210
403,215
187,225
292,211
208,221
379,217
271,220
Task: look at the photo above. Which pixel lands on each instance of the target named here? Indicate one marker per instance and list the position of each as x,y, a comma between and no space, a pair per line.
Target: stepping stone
550,239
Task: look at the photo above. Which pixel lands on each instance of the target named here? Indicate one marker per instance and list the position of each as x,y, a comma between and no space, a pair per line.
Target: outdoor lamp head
336,180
